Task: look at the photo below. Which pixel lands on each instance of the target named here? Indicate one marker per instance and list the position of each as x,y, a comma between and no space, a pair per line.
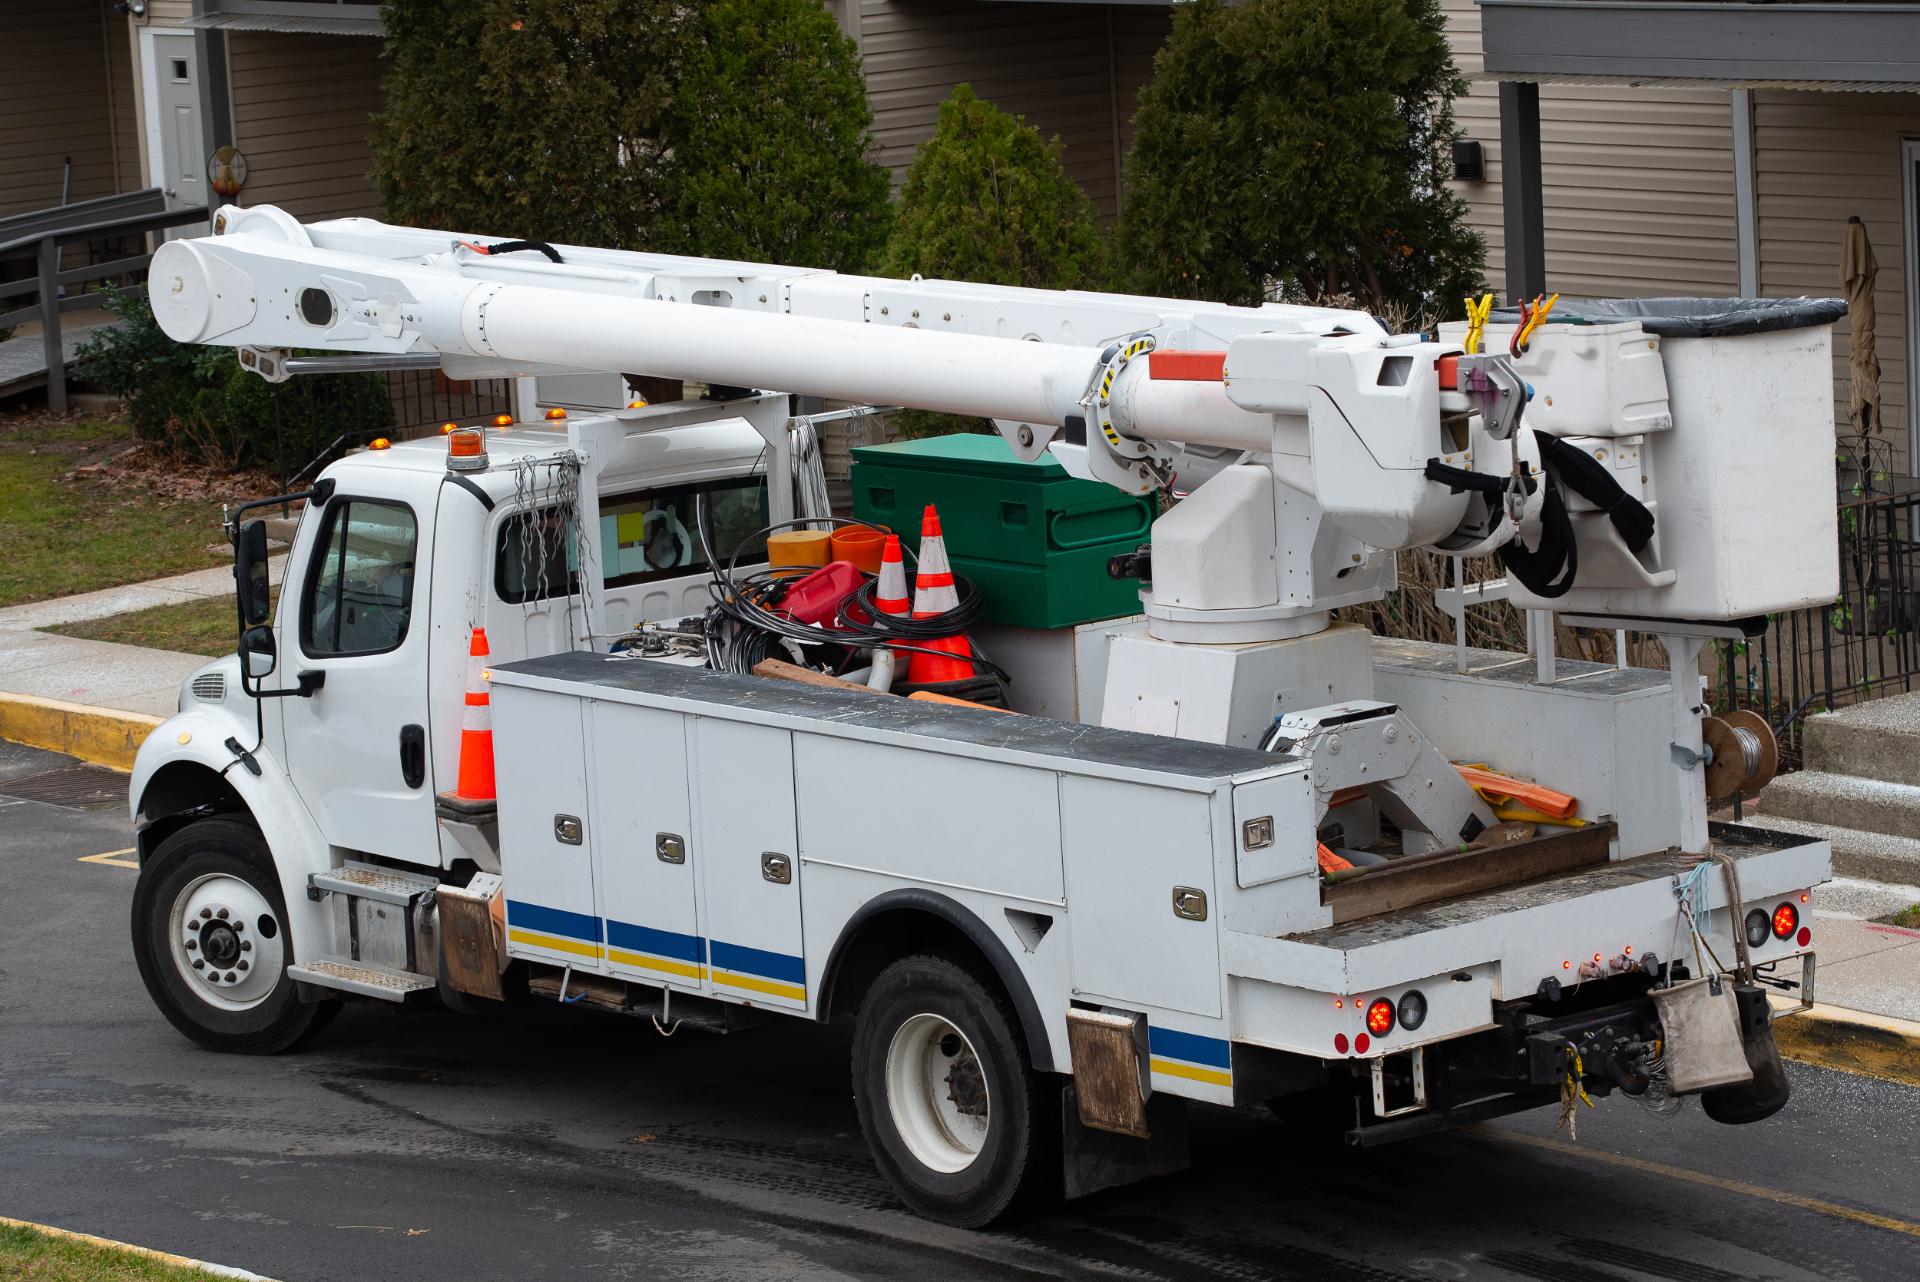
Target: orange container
861,545
799,551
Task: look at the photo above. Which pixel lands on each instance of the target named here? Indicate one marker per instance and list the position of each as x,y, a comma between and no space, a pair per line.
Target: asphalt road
572,1144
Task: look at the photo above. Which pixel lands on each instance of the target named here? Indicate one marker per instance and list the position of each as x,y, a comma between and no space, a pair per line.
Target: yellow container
797,552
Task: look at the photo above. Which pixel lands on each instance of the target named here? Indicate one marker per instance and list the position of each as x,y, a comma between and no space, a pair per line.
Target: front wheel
957,1121
210,938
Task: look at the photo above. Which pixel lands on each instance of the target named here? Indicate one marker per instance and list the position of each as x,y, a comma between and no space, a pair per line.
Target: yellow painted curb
178,1261
1852,1042
105,736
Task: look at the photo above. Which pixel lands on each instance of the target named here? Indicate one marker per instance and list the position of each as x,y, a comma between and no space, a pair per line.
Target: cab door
357,749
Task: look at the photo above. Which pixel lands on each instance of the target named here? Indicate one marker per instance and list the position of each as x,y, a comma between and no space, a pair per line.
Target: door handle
413,755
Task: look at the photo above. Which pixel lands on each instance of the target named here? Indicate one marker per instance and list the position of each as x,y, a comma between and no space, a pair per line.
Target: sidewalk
97,699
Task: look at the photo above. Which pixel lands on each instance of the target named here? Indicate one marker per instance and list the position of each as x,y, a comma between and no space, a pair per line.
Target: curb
145,1253
1851,1041
104,736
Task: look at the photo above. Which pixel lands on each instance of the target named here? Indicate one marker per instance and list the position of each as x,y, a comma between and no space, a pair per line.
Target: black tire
234,848
1018,1163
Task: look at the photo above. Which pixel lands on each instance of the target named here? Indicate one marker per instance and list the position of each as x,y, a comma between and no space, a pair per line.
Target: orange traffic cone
476,727
890,594
933,594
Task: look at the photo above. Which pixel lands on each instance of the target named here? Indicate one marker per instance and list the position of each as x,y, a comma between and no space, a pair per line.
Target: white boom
1339,420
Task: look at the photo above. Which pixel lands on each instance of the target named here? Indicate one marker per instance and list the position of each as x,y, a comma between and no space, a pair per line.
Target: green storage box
1034,540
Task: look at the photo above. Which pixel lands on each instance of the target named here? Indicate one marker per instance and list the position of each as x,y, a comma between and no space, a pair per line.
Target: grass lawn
39,1257
63,532
197,627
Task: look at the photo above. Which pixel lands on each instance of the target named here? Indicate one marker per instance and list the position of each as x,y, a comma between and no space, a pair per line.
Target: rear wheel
210,938
961,1126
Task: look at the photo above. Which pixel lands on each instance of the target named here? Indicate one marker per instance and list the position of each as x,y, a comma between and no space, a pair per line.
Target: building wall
70,94
1820,158
1071,69
302,107
1637,183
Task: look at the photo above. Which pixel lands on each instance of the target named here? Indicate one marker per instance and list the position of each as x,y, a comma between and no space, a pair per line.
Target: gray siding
302,111
1072,70
1820,158
70,93
1638,183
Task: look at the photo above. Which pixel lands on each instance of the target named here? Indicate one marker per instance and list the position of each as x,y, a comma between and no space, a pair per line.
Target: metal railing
1863,645
44,245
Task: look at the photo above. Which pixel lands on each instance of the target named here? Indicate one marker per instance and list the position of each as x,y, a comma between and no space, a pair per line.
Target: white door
746,845
644,856
176,143
357,749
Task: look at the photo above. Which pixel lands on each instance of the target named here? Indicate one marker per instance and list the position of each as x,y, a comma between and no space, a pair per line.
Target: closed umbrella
1857,270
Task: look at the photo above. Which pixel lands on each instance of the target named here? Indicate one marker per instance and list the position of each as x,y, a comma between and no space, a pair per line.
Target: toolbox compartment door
746,843
546,831
1131,848
643,853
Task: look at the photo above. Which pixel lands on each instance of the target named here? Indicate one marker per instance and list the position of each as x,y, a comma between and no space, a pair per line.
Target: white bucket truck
1049,935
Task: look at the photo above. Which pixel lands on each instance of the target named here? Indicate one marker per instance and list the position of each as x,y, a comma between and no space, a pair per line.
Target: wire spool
1745,754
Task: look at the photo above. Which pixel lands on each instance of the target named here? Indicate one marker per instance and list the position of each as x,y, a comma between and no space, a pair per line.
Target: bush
735,128
196,403
1299,150
987,199
536,118
769,131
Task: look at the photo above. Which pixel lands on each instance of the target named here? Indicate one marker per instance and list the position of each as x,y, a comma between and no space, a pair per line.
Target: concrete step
1867,856
1879,739
1845,801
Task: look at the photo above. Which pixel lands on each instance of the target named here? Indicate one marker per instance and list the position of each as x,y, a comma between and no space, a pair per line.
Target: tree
770,129
535,118
1298,149
735,128
987,199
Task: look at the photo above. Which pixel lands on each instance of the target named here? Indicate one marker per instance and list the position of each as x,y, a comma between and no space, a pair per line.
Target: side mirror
257,653
250,575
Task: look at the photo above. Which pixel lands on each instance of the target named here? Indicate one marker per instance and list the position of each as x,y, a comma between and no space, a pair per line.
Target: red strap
1187,367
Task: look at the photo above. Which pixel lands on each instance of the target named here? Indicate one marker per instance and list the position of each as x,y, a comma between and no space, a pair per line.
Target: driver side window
359,593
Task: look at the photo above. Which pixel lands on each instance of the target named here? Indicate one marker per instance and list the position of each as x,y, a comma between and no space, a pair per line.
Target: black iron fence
1866,643
317,419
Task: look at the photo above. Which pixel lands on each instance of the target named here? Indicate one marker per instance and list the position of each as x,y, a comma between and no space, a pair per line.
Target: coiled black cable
750,602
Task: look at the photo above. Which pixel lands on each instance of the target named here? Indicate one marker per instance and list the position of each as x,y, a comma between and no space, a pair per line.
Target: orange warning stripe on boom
1187,367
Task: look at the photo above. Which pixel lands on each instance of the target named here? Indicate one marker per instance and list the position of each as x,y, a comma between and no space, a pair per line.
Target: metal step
623,998
365,881
364,978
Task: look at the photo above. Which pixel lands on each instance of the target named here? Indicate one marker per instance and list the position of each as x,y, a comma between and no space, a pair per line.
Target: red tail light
1786,920
1340,1043
1360,1044
1380,1017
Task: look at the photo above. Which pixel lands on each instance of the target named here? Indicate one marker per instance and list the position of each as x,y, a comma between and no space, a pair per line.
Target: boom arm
1338,420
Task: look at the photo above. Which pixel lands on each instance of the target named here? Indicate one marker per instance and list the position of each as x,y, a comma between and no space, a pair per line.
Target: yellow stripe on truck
1192,1072
533,939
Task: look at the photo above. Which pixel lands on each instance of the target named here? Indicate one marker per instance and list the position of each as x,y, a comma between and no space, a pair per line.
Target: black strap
511,246
1459,480
1549,569
454,478
1584,475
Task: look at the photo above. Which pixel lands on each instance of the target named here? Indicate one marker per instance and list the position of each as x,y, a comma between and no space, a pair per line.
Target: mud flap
1096,1159
1769,1090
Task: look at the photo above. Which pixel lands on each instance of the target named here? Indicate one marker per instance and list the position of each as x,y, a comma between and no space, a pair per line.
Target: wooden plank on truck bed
1425,880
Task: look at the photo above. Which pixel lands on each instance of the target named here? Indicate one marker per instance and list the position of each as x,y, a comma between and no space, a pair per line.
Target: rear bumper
1588,934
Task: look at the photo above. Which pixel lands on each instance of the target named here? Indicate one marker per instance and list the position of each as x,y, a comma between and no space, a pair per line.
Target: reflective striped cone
890,593
933,593
476,727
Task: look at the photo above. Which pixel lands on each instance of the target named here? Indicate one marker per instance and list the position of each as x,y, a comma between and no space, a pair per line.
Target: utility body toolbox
1032,538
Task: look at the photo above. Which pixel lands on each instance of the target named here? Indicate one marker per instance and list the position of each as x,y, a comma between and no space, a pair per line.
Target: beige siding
1637,183
1070,69
302,107
69,94
168,13
1820,158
